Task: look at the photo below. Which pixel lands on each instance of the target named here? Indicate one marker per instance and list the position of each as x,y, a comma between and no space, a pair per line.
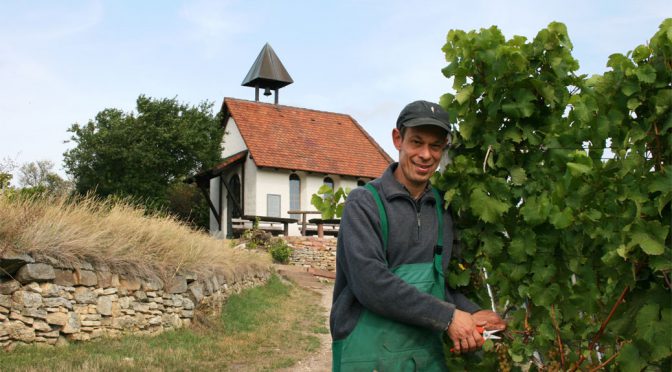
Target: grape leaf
485,207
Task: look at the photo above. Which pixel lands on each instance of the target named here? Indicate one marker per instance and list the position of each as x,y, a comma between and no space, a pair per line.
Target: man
391,305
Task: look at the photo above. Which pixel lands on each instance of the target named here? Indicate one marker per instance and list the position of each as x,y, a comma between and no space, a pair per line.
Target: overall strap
438,249
382,214
439,217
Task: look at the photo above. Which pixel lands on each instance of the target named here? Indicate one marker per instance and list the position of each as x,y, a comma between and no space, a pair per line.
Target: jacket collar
394,189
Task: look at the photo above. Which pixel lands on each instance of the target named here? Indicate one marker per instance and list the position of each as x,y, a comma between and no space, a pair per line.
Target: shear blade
490,335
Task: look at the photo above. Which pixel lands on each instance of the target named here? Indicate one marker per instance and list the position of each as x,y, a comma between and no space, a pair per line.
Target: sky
62,62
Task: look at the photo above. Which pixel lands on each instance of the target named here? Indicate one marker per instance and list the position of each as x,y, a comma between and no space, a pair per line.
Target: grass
261,329
118,235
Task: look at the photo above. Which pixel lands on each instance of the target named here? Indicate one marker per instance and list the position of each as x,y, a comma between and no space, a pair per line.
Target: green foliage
26,193
143,154
7,165
562,187
5,180
329,202
279,250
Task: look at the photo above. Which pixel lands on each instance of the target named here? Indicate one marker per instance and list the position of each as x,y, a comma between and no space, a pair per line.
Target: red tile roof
235,158
309,140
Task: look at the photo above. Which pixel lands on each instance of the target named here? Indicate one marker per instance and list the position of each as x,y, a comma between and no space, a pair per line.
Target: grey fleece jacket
364,279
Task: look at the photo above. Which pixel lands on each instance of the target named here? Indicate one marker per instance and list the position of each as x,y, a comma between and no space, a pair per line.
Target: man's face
420,151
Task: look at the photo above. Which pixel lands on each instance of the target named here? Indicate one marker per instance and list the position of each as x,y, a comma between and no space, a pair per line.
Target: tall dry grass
118,235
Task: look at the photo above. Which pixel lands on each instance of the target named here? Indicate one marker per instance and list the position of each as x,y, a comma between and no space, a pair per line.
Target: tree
7,166
5,179
142,154
577,244
40,175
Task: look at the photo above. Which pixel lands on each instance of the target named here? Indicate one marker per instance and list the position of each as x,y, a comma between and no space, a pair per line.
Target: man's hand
489,319
462,331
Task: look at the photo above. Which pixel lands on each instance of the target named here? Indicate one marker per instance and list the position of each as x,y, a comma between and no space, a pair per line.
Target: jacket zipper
417,207
417,215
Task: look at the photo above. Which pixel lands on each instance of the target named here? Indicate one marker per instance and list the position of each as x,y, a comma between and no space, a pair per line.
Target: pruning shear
488,335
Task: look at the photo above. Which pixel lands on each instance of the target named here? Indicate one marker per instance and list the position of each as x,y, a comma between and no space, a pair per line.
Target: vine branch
602,365
557,334
667,280
526,325
602,328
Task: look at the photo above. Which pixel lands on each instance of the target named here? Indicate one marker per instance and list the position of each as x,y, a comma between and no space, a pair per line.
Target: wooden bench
274,225
324,227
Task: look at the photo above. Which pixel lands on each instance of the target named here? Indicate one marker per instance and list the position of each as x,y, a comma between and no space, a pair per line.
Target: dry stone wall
47,303
311,251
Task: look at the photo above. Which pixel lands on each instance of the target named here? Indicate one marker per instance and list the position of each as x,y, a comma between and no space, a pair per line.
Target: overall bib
381,344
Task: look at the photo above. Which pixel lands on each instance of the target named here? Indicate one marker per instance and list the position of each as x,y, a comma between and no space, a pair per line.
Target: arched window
294,194
329,181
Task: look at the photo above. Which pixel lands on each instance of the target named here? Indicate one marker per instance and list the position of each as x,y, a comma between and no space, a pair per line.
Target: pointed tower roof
267,71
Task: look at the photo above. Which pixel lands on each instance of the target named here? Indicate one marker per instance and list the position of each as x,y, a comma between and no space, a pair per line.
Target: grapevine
561,185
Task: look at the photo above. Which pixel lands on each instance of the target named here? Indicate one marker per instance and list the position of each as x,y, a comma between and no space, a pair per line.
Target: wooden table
333,224
303,219
284,221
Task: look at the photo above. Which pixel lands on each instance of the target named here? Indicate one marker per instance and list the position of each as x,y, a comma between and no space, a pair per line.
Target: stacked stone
311,251
52,304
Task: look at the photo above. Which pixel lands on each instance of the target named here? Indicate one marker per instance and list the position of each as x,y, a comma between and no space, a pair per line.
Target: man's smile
423,168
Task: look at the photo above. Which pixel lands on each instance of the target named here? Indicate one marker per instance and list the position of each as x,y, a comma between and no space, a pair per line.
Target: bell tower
268,73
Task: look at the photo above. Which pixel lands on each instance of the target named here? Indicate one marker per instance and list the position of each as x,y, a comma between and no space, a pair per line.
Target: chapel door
233,204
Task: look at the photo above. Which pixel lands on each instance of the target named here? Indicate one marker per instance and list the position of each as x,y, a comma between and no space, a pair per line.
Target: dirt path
320,360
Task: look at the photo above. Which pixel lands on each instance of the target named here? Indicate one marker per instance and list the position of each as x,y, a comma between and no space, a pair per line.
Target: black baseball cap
423,113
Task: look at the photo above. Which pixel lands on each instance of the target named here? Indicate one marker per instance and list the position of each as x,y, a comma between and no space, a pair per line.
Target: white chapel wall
272,182
233,142
275,181
249,184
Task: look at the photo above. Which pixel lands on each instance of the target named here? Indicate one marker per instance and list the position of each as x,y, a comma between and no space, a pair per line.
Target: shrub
256,238
279,250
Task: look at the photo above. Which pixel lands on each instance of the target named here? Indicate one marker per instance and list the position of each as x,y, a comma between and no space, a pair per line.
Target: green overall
381,344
